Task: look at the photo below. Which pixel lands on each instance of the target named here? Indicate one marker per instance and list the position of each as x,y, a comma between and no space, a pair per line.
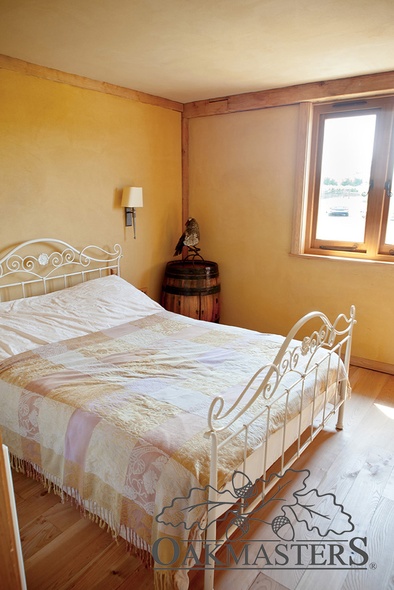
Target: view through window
350,208
345,177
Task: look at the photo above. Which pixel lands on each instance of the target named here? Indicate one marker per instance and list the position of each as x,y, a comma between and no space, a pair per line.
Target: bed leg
341,411
208,579
210,535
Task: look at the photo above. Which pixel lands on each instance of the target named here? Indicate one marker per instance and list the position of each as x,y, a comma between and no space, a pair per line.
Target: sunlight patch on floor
388,410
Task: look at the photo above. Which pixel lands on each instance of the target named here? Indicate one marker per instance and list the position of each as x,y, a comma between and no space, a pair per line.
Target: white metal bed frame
54,259
47,266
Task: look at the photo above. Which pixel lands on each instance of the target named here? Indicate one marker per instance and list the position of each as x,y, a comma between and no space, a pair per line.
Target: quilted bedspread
116,419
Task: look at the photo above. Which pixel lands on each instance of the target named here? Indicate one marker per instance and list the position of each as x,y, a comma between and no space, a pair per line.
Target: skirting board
357,361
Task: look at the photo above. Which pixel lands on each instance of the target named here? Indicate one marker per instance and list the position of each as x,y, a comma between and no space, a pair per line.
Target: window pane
345,177
390,219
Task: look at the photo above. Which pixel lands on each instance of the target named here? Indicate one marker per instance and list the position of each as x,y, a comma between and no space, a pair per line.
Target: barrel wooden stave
192,288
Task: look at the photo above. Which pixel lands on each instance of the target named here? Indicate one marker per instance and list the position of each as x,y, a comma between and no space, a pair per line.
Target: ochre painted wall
242,181
65,154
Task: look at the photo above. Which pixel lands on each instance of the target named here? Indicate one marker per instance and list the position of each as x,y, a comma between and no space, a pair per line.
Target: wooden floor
65,551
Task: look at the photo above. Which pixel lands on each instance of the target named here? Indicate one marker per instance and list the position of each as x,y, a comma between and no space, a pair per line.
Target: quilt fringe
104,518
170,580
163,580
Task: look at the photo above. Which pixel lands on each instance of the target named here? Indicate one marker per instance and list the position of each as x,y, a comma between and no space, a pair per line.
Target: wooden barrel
192,288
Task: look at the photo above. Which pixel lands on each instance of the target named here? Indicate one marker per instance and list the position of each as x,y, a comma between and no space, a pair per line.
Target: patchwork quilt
116,419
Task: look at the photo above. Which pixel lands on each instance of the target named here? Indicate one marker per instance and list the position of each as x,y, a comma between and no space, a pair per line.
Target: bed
129,410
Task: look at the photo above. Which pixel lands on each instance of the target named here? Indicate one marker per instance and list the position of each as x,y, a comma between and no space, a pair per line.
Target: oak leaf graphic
308,506
320,512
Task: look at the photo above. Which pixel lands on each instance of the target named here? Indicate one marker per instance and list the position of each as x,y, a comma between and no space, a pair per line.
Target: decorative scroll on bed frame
45,264
290,379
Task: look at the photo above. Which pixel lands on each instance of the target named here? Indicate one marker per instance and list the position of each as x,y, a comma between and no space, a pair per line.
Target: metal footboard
308,381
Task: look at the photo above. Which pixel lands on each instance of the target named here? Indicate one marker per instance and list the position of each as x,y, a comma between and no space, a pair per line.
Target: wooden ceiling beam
371,84
24,67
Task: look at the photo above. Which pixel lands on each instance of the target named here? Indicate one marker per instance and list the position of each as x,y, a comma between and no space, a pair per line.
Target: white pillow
88,307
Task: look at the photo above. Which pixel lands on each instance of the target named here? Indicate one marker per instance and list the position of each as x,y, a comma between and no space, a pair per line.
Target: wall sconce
131,198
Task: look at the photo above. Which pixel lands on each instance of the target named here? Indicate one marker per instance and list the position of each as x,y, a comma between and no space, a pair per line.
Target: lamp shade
132,196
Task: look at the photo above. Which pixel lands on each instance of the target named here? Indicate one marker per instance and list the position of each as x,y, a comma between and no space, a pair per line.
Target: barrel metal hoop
190,291
192,272
192,275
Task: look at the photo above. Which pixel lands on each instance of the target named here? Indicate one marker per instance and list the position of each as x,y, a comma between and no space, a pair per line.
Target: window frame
310,142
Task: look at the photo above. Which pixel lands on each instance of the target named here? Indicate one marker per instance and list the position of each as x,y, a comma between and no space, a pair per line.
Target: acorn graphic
283,528
245,491
242,524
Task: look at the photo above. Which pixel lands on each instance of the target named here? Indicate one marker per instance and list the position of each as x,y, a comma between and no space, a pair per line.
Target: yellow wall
242,180
65,154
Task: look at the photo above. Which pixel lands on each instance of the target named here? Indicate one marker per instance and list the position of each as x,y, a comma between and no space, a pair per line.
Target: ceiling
188,50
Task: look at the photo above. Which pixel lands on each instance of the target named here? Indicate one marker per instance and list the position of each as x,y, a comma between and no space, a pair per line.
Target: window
349,211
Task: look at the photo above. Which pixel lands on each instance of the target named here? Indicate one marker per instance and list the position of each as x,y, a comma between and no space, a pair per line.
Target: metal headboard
39,266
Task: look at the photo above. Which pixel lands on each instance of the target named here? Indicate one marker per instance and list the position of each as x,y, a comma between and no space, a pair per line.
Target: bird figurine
189,238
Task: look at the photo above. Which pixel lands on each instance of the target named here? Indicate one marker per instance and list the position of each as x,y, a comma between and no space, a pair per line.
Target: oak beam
29,69
185,170
11,562
371,84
